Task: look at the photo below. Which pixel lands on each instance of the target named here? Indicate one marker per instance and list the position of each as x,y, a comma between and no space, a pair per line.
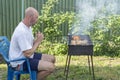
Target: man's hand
39,37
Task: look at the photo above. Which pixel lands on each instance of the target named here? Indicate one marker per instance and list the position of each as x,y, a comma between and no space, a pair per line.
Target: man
23,45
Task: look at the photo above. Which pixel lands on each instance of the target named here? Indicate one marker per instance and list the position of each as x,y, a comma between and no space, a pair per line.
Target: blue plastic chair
11,73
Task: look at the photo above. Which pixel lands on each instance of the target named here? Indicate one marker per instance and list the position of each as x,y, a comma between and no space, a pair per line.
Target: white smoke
88,10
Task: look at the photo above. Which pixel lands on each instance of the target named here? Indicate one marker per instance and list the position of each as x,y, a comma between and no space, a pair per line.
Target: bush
52,48
50,23
106,35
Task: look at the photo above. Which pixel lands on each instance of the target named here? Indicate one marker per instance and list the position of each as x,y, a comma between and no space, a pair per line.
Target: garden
103,31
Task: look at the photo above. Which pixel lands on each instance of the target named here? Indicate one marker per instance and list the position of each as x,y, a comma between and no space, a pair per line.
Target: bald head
30,11
31,16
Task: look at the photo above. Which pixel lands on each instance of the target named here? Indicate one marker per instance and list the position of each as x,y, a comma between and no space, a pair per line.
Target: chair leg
33,75
10,74
18,77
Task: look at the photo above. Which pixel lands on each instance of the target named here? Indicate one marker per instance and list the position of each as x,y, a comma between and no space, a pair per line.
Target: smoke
88,10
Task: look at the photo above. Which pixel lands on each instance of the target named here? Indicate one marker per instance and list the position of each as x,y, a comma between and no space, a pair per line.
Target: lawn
105,68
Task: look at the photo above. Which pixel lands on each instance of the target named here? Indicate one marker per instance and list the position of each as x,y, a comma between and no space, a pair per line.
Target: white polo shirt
22,39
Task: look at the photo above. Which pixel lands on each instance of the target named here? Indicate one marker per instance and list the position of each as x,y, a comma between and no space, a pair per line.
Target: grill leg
89,65
67,66
92,68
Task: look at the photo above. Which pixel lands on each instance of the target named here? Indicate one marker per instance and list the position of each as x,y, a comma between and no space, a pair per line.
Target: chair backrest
4,47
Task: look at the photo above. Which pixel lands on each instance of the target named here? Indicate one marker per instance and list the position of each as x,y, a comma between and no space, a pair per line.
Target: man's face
33,19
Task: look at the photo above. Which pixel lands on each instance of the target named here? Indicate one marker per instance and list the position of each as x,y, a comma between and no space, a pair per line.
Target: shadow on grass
82,73
76,72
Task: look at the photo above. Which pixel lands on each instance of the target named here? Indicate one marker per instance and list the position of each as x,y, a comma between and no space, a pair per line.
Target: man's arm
39,38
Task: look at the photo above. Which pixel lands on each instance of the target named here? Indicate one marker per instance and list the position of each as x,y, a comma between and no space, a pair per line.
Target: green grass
105,68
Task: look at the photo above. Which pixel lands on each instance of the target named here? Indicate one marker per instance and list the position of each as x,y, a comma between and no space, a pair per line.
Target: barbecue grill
80,45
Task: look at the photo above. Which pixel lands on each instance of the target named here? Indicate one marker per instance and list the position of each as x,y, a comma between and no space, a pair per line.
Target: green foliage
106,35
49,23
44,47
59,49
52,48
